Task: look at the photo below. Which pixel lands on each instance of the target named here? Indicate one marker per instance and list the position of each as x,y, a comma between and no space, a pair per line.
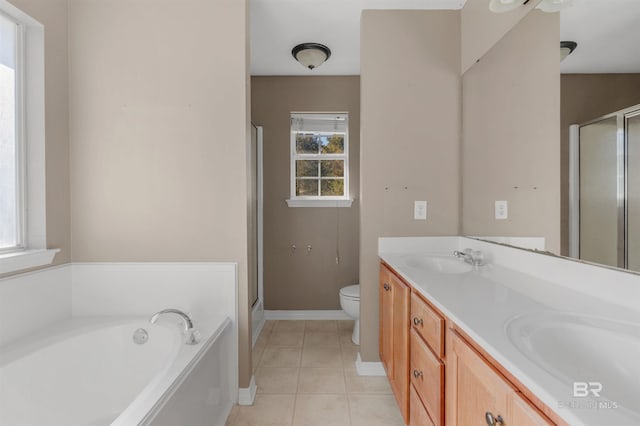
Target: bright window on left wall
12,158
23,195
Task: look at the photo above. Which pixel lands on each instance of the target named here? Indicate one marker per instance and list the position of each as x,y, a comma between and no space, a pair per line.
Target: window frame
20,131
31,251
318,200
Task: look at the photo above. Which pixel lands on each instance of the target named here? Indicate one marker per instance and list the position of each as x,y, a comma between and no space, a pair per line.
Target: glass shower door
633,190
599,194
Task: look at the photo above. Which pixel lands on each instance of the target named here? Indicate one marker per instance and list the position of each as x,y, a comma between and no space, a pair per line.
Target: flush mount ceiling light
501,6
566,48
311,55
551,6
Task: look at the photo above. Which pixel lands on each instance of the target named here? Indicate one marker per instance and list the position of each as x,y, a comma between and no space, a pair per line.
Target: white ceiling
279,25
607,33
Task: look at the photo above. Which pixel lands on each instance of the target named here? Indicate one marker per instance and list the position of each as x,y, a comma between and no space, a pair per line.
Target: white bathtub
90,372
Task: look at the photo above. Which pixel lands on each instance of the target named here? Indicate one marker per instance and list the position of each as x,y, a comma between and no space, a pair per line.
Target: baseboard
369,368
306,315
246,396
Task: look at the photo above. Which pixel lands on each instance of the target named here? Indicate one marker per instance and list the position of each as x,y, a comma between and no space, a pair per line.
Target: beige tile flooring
306,377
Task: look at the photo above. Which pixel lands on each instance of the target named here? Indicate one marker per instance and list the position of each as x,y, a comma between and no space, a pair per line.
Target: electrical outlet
501,210
420,210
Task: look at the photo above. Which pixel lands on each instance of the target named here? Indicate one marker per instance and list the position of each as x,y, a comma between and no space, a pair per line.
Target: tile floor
306,377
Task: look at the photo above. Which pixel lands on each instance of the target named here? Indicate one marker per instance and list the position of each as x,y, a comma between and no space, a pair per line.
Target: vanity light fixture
566,48
551,6
501,6
311,55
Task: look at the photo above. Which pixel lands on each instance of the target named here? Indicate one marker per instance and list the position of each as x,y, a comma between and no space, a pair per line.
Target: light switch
501,210
420,210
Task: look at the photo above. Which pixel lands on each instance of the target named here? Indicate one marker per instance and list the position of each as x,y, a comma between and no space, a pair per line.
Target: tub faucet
192,335
474,257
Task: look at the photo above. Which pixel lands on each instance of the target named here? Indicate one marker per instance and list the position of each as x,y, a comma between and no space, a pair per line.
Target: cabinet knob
417,321
417,373
493,421
386,287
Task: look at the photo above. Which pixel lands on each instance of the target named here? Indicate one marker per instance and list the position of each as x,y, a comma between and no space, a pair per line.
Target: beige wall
481,28
159,133
53,15
300,280
410,130
583,98
511,117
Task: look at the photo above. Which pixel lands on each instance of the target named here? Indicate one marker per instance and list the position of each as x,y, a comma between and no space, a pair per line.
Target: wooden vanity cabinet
474,387
394,335
426,357
477,392
428,323
427,378
417,413
523,413
438,375
386,320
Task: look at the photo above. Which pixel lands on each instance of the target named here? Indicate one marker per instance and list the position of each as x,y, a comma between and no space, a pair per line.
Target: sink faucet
474,257
192,335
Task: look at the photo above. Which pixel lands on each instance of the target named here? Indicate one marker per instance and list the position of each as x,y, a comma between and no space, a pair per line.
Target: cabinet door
522,413
386,321
476,389
401,296
427,377
417,413
394,335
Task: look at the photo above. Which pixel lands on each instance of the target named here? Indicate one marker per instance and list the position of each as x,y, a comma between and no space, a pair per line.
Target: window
23,242
319,159
11,158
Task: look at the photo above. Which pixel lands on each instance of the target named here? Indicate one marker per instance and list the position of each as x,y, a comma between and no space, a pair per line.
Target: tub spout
192,335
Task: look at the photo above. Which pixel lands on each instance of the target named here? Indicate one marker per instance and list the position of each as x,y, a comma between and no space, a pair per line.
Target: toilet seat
351,292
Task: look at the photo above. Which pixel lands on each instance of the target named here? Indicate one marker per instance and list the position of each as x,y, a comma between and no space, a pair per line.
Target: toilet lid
352,291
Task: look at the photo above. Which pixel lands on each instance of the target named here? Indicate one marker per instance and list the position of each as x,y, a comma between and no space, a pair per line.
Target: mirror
589,209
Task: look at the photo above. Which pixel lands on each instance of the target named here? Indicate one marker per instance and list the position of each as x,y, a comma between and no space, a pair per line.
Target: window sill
319,203
17,261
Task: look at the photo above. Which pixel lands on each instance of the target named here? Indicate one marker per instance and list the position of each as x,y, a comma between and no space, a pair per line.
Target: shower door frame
622,149
257,310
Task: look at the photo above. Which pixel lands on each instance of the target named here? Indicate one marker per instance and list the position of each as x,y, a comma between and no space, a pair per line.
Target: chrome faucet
192,336
474,257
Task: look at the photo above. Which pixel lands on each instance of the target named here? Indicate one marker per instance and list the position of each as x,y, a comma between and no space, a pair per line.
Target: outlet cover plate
420,210
501,210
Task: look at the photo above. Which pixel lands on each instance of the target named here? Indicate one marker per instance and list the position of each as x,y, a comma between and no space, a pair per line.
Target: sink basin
439,264
581,348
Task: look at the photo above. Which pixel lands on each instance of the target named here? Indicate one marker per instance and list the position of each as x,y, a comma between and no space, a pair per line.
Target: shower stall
605,190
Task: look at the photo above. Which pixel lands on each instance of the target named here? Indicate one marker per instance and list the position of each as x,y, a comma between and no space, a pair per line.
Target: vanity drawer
427,377
417,413
428,323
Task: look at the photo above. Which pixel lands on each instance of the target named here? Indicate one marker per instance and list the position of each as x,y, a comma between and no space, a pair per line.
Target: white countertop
483,301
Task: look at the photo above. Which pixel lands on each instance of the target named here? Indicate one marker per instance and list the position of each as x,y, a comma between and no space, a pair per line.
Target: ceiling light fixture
501,6
311,55
551,6
566,48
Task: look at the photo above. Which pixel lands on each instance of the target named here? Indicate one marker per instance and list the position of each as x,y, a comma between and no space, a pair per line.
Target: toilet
350,303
